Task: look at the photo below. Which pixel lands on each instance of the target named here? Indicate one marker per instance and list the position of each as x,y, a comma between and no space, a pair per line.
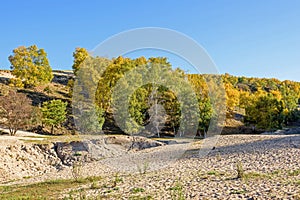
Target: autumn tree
266,112
53,113
153,97
79,56
31,67
15,111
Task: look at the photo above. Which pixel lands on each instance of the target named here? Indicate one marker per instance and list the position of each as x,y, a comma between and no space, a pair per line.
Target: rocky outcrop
19,159
285,131
97,149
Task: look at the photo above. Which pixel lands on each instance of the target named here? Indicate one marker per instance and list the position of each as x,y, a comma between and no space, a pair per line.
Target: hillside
241,94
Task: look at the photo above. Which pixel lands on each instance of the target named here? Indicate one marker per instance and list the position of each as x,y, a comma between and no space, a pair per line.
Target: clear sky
257,38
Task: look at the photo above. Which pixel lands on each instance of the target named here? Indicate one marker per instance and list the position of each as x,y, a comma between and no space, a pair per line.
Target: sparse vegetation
117,179
144,168
255,175
77,171
294,173
240,170
177,192
43,190
137,190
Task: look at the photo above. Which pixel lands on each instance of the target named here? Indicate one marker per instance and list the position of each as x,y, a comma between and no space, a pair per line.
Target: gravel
271,165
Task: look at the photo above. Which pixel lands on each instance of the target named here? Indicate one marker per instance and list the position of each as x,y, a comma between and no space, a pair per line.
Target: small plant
94,178
294,173
144,168
95,185
77,171
240,170
117,180
138,197
255,175
276,172
218,156
137,190
238,192
212,173
177,192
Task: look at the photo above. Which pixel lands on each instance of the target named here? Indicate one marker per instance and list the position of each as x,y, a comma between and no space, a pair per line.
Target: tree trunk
52,129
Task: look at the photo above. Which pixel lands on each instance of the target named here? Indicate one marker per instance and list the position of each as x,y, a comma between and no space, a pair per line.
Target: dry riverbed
269,166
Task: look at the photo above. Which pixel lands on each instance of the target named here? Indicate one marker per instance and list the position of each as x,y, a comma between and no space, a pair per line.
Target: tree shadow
4,80
37,98
260,145
61,77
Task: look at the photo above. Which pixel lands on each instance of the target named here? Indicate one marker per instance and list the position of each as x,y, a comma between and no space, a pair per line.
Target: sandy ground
271,163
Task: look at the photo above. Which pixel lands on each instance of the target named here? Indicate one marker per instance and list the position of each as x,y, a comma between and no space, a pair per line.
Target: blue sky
250,38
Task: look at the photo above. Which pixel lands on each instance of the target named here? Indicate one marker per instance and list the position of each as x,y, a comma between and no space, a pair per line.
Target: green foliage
268,103
147,94
53,113
266,112
294,172
43,190
265,103
137,190
30,66
91,120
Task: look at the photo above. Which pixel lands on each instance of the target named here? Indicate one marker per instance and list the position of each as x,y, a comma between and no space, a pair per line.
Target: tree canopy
53,113
15,111
31,67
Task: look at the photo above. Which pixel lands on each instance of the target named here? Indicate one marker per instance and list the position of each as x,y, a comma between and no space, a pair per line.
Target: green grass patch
177,191
276,172
141,197
212,173
50,189
137,190
238,192
255,175
294,172
297,182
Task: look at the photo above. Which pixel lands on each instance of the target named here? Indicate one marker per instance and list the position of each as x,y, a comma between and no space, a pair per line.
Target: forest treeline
155,93
262,103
